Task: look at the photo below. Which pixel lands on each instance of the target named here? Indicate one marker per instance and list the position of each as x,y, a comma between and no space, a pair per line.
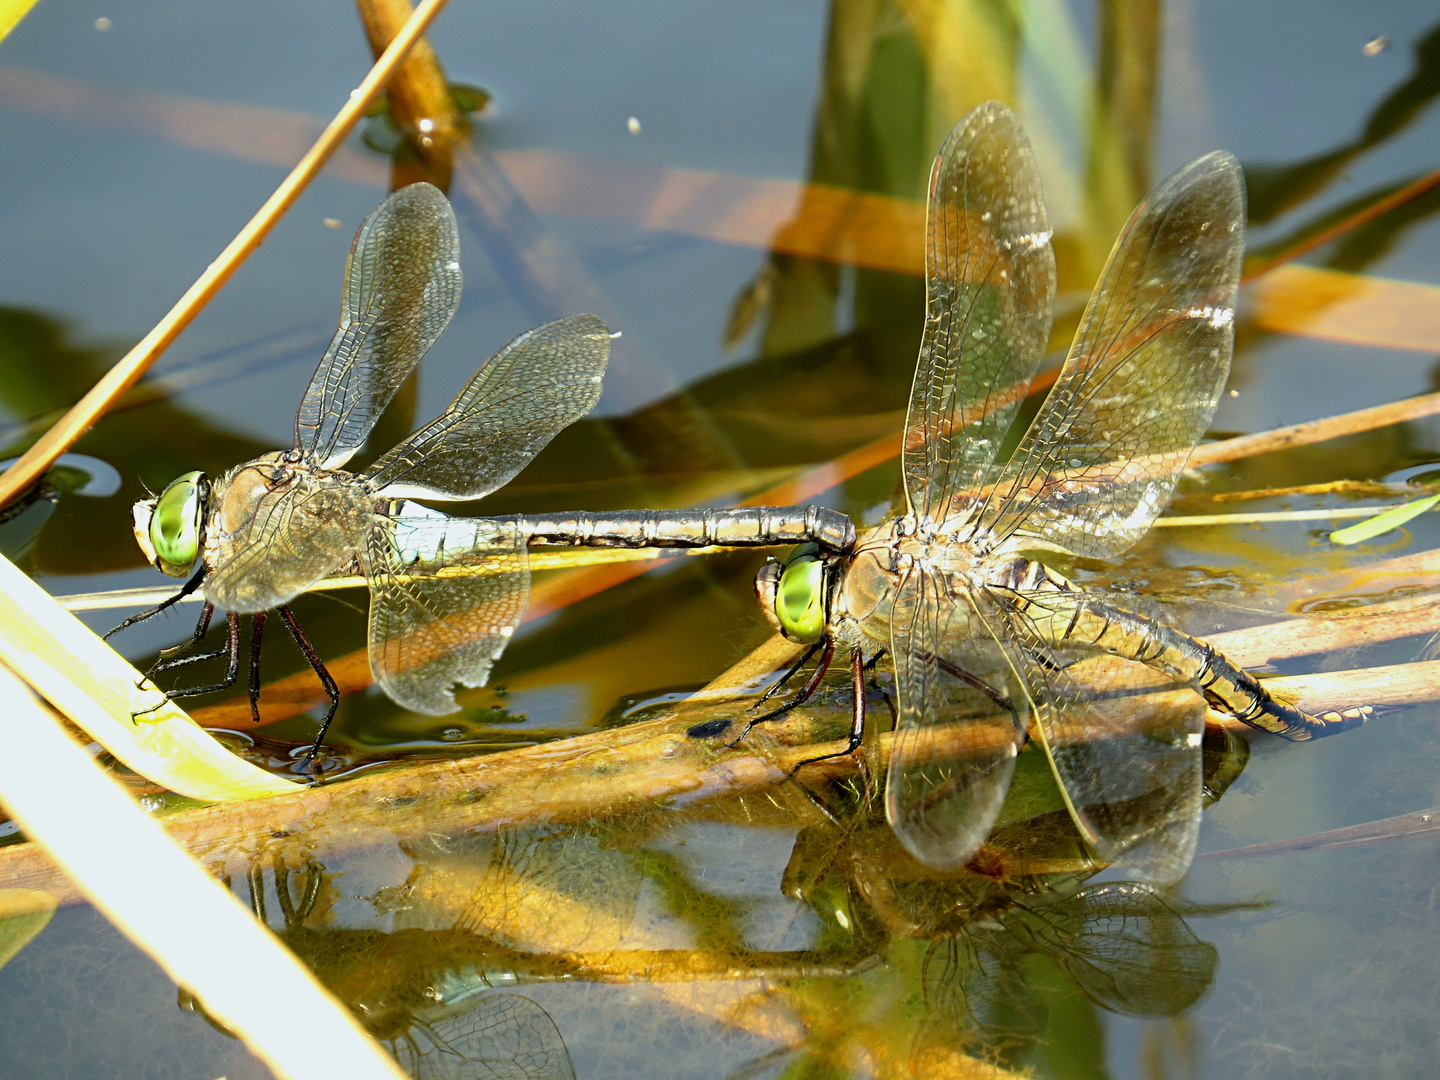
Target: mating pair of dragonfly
950,587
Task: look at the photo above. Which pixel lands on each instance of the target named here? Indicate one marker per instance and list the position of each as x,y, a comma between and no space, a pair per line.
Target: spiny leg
780,683
293,913
164,661
870,666
978,683
257,632
256,878
232,665
708,729
811,685
857,716
164,605
331,690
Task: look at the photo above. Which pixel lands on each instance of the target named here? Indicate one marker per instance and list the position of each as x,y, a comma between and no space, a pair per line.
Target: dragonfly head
169,528
792,594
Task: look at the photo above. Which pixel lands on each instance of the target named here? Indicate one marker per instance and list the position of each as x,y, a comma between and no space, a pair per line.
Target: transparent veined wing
990,288
402,286
1140,384
445,596
280,536
525,394
590,884
1127,948
1124,743
977,998
504,1037
960,721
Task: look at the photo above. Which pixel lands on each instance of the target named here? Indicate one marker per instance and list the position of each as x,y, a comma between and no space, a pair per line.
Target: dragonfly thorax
277,525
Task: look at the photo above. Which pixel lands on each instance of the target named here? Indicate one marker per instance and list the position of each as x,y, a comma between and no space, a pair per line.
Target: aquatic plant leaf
1383,522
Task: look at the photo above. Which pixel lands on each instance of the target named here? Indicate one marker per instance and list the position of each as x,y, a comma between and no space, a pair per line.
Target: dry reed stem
419,100
123,375
87,680
1313,431
1417,825
626,770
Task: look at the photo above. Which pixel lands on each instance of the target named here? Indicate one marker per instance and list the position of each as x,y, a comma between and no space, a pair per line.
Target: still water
774,933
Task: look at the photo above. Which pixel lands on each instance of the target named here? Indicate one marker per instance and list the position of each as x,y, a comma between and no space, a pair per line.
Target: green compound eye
800,599
175,524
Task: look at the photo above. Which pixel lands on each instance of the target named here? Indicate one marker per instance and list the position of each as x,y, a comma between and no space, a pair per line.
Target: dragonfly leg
889,701
164,605
232,663
331,690
202,627
857,718
780,683
257,634
978,683
256,879
811,685
295,914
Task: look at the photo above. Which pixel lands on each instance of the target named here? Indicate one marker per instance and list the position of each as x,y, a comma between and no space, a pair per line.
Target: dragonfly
953,585
446,592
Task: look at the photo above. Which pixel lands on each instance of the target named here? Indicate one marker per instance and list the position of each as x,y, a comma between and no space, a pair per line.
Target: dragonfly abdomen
743,527
1066,619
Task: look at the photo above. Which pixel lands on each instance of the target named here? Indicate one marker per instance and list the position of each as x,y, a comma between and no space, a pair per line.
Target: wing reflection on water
995,938
426,994
824,942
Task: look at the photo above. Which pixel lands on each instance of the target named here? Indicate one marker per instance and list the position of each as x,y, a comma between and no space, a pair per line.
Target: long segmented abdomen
1066,618
742,527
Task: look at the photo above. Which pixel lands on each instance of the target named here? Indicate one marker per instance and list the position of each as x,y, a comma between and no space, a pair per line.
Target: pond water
656,156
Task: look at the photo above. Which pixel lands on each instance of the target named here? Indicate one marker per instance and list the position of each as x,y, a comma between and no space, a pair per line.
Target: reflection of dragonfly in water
421,994
949,586
1122,944
271,528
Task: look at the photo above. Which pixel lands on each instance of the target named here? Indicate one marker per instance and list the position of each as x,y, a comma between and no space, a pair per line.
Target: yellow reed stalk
11,12
93,685
169,906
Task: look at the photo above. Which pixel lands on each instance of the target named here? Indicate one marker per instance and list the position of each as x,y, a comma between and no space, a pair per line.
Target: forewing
402,286
990,287
504,1037
1125,746
1140,384
525,394
959,724
445,596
